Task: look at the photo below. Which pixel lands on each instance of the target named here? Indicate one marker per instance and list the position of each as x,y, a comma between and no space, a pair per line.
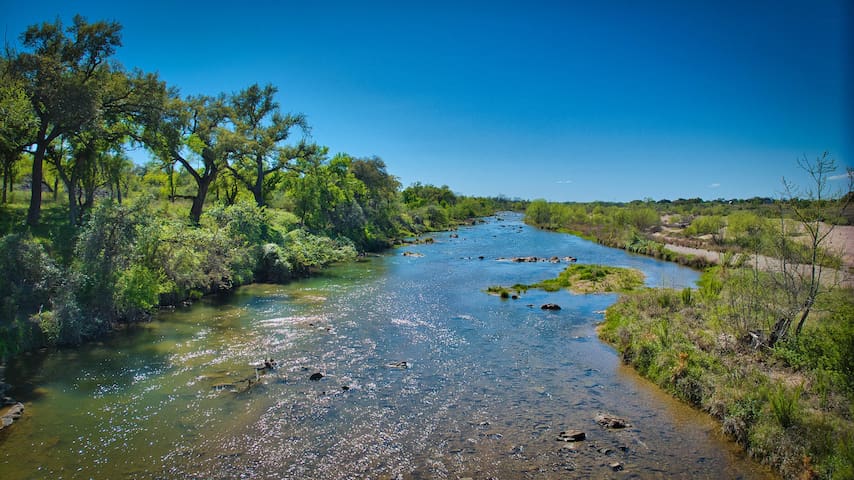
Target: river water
489,386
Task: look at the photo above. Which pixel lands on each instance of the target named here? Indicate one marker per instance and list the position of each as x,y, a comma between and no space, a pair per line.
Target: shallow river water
489,386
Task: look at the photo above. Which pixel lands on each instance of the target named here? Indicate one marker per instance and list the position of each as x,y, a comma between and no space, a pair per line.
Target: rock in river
571,436
609,421
316,376
13,413
551,306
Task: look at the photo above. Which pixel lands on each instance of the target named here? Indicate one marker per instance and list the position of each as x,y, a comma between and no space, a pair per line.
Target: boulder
315,376
550,306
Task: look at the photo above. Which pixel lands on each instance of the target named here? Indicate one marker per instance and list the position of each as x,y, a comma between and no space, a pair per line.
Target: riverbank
787,400
789,407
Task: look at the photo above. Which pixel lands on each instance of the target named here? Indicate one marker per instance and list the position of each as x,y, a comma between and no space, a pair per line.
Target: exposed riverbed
489,383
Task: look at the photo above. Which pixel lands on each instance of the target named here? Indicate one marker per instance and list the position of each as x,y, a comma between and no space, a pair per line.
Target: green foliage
583,278
587,278
826,350
418,195
29,278
688,349
274,265
307,253
746,229
259,150
687,296
706,225
785,405
138,290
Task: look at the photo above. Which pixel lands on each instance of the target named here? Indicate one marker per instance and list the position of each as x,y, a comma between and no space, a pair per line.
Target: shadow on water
486,388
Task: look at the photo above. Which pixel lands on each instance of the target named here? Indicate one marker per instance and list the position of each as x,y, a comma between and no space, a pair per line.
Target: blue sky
568,101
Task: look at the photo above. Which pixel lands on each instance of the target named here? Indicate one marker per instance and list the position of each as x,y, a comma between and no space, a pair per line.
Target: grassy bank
790,406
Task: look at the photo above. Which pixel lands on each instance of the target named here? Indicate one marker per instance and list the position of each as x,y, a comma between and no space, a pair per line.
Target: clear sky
563,100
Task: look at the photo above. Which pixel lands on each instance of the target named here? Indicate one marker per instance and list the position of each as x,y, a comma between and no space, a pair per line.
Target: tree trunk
258,190
7,175
73,210
199,200
34,212
807,307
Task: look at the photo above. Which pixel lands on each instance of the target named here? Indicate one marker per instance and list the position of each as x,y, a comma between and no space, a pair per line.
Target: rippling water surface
489,386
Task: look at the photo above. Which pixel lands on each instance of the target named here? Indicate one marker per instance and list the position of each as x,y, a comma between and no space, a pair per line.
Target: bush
307,252
706,225
273,266
138,291
29,278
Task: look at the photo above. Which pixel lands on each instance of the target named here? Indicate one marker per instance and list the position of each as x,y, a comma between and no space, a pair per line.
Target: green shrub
273,266
687,297
307,252
138,291
785,405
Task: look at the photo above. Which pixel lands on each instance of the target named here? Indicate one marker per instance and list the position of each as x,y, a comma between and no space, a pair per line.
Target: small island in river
582,279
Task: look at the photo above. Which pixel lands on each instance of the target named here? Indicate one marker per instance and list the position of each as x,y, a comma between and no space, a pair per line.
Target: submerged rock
315,376
401,365
571,436
551,306
609,421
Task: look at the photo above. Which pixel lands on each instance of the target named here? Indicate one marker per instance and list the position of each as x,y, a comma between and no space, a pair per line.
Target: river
488,387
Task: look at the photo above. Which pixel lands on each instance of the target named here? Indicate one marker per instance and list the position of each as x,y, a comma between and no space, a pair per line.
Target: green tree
379,201
93,158
189,128
63,74
325,192
538,213
419,195
18,127
259,136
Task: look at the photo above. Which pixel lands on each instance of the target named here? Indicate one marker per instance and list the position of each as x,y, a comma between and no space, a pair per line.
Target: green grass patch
588,278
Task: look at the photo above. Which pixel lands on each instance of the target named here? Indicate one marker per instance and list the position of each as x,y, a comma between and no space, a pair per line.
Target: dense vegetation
235,192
